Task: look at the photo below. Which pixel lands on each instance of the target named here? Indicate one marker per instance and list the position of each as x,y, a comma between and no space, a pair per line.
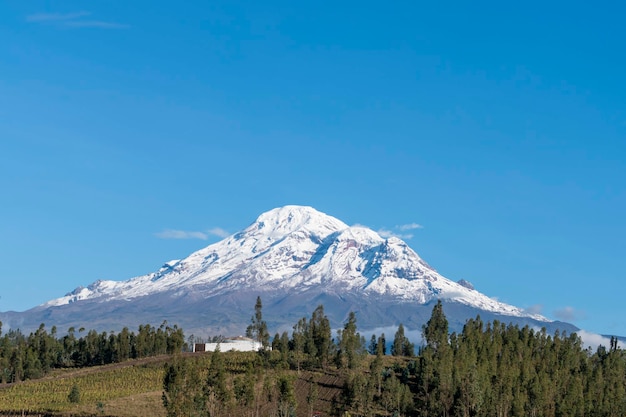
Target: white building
240,344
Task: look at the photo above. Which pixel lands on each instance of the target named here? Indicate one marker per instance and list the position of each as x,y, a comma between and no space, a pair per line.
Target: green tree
257,329
396,396
182,389
382,345
312,395
286,396
321,336
244,391
373,345
436,329
351,346
298,340
402,346
217,393
74,395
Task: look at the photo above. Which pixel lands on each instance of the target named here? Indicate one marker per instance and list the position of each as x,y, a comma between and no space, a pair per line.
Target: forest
30,357
487,369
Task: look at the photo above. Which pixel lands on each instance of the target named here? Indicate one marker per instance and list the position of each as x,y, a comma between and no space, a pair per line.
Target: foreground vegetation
34,356
96,390
488,369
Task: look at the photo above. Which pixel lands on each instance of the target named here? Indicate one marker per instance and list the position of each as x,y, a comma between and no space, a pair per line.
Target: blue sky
132,133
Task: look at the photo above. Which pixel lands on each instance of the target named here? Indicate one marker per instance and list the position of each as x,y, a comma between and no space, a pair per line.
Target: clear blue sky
500,129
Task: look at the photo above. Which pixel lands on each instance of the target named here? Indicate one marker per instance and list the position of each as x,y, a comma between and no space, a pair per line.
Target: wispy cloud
534,309
410,226
399,231
55,17
568,314
96,24
219,232
73,19
191,234
386,233
181,234
594,340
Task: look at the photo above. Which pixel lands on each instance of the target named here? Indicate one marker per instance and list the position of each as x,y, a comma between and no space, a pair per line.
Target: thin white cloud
192,234
594,340
55,17
399,231
219,232
181,234
95,24
534,309
73,19
410,226
568,314
385,233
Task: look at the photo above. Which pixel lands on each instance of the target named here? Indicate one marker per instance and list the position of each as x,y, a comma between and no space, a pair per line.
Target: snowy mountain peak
295,250
282,221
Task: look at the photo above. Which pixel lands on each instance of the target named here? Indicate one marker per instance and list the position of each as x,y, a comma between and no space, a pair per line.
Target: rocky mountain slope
295,258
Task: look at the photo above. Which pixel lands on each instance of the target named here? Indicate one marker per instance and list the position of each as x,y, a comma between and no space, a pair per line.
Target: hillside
487,369
134,389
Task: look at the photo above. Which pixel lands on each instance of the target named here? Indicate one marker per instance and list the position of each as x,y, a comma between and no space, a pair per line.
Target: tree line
28,357
488,369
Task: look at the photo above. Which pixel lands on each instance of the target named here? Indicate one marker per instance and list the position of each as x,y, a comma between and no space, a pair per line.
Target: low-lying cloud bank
589,339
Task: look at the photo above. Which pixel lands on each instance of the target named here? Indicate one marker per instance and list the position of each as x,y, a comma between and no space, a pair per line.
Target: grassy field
135,387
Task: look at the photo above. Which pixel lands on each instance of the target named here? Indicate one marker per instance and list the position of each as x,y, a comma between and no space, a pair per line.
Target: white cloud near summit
188,234
568,314
410,226
399,231
219,232
534,309
181,234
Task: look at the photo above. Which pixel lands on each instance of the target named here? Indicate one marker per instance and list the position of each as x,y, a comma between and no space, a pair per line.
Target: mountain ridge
292,255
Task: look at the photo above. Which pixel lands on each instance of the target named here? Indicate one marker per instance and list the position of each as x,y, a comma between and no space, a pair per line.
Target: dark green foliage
298,341
320,333
381,345
311,341
286,396
257,329
351,347
216,391
182,389
34,356
486,370
402,346
312,396
243,387
74,395
372,348
436,329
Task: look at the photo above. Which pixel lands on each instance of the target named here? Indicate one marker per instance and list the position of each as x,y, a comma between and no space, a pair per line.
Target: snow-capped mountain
295,257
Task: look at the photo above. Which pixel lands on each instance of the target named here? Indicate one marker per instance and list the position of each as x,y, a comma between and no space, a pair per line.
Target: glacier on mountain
295,249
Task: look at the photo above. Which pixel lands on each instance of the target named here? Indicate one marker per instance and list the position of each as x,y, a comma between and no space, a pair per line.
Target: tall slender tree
257,329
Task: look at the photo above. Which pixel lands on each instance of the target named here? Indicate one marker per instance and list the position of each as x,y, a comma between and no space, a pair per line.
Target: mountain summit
295,257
